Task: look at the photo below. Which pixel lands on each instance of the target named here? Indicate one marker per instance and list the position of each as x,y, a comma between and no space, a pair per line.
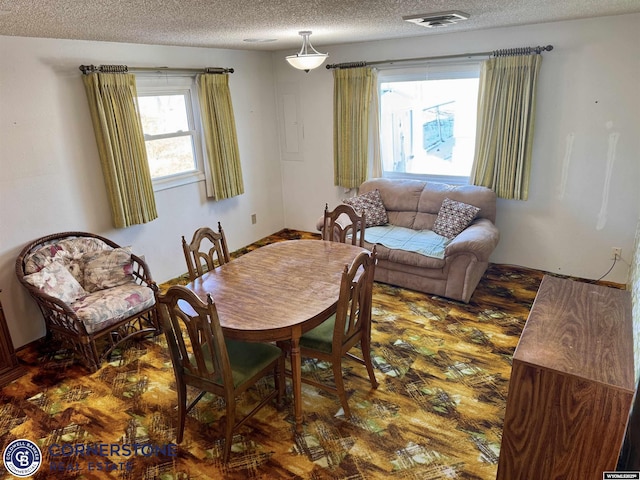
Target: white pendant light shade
308,57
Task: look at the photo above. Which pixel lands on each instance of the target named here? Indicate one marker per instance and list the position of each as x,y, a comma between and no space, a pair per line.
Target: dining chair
344,225
204,359
333,339
205,250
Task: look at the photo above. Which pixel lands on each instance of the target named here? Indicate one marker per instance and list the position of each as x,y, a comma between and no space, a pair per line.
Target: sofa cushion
103,308
454,217
371,204
107,269
57,281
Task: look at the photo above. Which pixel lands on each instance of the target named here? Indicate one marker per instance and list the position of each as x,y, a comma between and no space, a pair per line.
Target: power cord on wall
615,259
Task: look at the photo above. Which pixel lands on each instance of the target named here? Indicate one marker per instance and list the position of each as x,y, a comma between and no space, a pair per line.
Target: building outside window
428,121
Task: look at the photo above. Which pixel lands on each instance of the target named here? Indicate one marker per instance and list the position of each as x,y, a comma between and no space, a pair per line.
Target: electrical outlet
616,253
254,219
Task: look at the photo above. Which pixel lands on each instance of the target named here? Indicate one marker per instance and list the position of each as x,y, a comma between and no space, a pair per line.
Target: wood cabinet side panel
560,426
10,369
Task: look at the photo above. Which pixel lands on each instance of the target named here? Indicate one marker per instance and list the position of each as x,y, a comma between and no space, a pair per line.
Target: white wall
588,96
50,176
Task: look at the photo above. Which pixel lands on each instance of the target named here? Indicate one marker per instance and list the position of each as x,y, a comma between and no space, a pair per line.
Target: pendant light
308,57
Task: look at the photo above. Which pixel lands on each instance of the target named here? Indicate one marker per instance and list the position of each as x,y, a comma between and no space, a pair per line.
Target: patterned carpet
443,369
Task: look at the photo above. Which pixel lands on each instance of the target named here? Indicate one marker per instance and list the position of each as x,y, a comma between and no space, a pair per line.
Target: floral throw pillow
371,204
454,217
108,268
57,281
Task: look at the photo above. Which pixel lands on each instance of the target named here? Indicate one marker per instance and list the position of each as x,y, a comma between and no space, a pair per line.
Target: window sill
178,180
448,179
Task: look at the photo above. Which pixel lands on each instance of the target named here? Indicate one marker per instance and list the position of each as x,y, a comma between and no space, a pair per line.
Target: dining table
278,292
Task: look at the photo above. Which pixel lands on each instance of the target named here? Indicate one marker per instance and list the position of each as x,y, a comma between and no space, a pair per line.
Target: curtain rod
496,53
87,69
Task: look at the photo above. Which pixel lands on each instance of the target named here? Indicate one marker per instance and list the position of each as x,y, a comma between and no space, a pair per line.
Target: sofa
410,254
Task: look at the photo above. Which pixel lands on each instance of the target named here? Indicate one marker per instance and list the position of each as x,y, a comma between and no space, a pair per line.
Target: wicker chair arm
50,302
142,273
55,311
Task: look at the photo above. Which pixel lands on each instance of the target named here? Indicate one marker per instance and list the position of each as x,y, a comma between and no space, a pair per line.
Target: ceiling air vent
433,20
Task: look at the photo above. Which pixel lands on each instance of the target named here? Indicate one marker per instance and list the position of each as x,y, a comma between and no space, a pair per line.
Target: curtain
113,104
374,134
506,113
223,169
352,92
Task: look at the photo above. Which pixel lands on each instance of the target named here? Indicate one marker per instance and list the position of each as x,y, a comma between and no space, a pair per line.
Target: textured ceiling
229,23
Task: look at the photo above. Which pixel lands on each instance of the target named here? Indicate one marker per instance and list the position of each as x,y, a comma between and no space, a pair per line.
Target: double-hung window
170,122
428,121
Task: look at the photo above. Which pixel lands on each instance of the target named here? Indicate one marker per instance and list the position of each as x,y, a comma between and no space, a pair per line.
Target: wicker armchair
93,294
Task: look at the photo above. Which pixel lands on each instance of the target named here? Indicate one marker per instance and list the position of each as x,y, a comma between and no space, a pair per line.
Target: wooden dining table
278,292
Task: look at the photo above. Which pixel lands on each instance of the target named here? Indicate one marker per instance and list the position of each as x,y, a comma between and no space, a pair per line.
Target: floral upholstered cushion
103,308
66,251
107,269
454,217
57,281
371,204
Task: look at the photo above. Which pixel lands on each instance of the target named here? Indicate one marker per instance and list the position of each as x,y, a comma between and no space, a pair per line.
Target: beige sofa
415,204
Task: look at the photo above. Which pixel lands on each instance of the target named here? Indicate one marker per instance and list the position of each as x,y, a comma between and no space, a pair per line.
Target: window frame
158,84
432,70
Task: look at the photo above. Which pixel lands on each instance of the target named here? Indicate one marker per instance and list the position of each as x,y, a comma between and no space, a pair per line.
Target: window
428,121
172,138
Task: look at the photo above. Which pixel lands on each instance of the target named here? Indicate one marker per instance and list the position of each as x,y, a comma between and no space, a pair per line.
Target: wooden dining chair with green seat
344,225
204,359
201,259
333,339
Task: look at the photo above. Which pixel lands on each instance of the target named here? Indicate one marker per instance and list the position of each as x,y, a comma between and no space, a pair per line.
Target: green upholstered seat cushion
247,359
321,337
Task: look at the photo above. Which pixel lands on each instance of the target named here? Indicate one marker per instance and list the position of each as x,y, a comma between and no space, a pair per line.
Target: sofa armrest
480,238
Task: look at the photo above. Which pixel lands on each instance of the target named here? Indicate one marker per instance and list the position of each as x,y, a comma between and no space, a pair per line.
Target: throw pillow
107,269
454,217
57,281
371,204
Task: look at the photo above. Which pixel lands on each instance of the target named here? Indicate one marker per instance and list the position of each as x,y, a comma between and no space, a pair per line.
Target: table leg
296,377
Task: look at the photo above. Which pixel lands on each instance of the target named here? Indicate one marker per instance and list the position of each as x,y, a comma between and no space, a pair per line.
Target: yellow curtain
224,172
374,134
506,114
351,106
113,104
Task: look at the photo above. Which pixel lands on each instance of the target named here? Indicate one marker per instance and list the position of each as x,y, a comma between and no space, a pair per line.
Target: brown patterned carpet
443,369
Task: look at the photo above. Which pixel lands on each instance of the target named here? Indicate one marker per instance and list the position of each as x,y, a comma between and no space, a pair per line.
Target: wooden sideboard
10,369
572,383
